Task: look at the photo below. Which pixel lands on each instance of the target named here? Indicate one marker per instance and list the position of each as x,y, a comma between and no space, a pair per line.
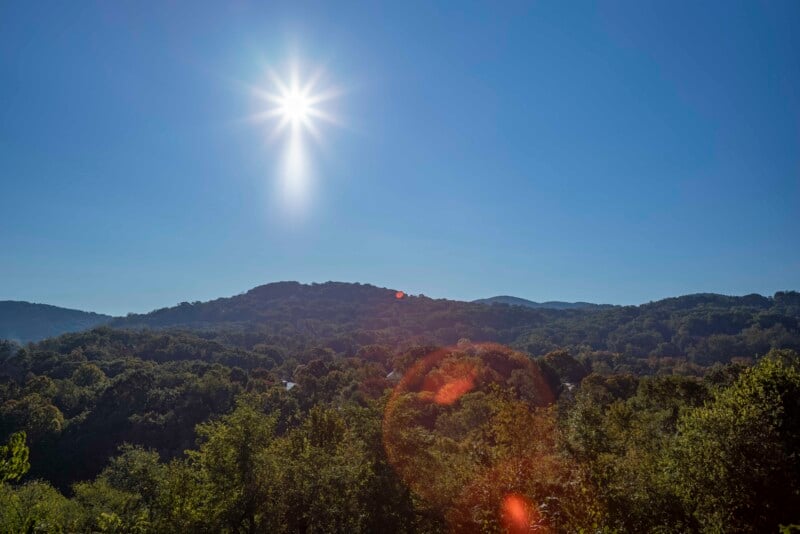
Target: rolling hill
25,321
551,304
343,316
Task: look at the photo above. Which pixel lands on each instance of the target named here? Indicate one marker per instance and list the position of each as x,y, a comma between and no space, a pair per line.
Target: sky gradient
617,153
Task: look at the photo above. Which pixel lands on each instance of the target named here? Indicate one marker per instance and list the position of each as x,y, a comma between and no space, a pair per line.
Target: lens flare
454,390
519,515
469,428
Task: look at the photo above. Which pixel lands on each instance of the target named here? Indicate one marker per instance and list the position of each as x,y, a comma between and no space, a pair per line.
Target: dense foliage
703,328
366,416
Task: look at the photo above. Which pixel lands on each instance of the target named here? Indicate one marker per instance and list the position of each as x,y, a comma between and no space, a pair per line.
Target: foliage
14,458
328,409
735,461
345,317
37,507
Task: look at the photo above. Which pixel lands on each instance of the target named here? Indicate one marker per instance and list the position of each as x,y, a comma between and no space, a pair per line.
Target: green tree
238,471
88,375
125,496
14,458
33,413
735,462
37,507
327,478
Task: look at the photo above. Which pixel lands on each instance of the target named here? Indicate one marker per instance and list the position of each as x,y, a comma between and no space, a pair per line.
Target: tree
124,496
33,413
324,476
37,507
735,462
237,469
14,458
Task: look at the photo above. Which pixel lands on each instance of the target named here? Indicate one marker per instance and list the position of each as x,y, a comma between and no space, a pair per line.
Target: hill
345,317
339,383
551,304
25,321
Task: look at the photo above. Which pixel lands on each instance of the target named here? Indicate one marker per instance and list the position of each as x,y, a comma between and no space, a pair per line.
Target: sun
295,103
295,106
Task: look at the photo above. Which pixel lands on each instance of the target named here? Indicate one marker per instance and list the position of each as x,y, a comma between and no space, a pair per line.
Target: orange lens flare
451,381
519,515
452,391
399,295
444,399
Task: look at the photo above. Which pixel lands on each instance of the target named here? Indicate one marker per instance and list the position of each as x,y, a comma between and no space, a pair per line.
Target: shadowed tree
736,459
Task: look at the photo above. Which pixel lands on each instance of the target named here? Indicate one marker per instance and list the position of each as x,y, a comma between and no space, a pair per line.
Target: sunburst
295,107
295,104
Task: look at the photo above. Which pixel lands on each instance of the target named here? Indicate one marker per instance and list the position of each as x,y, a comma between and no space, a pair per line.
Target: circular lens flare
468,430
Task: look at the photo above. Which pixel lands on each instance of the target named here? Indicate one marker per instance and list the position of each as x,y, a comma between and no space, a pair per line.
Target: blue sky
618,152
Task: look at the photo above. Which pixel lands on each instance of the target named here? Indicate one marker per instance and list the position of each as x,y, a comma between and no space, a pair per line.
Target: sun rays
293,107
291,103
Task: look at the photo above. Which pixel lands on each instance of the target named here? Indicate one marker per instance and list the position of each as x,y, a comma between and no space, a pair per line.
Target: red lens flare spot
399,295
519,515
452,391
451,382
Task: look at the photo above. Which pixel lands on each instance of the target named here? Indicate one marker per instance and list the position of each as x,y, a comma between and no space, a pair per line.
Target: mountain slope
551,304
345,317
26,321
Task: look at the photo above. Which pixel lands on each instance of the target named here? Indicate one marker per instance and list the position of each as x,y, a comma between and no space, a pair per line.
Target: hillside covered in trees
703,327
550,304
350,408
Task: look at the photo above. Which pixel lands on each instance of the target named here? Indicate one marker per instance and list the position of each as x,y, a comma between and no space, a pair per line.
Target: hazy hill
551,304
25,321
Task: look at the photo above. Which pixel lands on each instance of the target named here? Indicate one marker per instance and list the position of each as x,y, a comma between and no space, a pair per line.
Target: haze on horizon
613,154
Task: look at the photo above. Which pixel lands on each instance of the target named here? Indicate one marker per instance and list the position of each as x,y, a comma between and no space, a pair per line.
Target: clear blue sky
620,153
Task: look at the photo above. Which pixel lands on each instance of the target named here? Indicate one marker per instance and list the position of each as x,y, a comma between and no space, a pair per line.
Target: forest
349,408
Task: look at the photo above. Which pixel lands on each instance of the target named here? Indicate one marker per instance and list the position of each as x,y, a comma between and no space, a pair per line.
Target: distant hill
551,304
275,304
25,321
344,317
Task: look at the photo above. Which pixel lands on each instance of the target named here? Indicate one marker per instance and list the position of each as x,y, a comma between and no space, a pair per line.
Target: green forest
349,408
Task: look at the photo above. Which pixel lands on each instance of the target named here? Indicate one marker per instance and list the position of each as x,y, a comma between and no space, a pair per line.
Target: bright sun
295,106
294,103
